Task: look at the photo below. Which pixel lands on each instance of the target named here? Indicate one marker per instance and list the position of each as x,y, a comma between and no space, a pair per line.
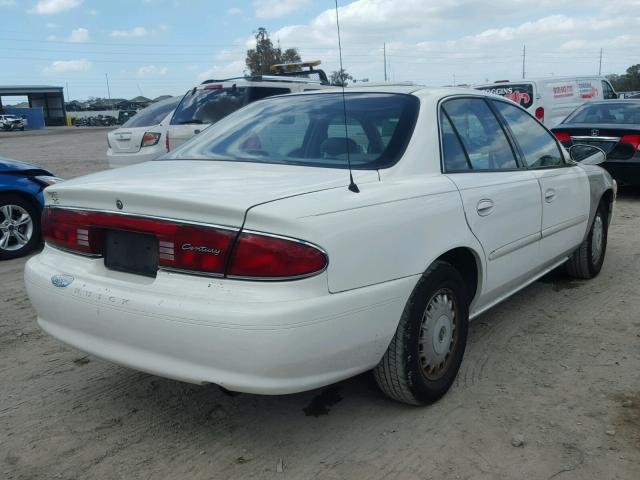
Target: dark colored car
21,203
613,126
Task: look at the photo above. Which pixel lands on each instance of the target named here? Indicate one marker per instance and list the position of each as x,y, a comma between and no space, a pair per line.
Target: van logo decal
61,280
595,133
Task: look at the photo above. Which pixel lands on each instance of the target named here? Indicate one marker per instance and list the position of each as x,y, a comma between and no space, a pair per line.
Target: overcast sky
154,47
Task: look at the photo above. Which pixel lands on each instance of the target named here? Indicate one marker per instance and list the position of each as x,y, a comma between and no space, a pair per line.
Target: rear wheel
19,227
424,356
586,262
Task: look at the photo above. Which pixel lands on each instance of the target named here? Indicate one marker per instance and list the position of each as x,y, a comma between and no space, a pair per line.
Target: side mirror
587,154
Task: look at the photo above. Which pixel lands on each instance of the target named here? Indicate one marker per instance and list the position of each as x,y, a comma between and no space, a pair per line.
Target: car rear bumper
124,159
624,171
255,337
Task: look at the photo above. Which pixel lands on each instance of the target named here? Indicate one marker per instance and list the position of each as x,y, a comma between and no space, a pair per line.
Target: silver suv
213,100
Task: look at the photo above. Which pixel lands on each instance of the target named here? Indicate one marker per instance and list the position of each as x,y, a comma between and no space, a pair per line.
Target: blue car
21,202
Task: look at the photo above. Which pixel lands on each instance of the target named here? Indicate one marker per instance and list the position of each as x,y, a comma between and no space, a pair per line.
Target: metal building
50,98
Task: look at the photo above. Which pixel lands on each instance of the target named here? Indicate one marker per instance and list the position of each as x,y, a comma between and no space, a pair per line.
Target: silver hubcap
597,238
438,334
16,227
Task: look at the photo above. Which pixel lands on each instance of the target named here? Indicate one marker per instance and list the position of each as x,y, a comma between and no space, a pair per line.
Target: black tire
11,251
586,262
404,372
22,129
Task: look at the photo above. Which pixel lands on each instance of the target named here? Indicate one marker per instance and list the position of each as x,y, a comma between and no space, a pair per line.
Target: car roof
613,100
417,90
261,81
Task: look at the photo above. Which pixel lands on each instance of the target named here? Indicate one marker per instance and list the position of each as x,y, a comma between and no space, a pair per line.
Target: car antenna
352,185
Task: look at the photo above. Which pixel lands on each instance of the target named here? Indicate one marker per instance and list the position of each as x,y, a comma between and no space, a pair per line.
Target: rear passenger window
538,146
454,157
485,143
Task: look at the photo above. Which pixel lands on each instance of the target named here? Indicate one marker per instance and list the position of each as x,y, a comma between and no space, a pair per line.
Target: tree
260,59
340,78
626,82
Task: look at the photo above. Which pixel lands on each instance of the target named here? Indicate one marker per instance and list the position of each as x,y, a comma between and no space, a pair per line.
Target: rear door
564,187
501,200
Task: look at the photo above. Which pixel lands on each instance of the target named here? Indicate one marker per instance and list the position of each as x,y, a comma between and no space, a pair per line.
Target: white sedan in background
248,258
143,136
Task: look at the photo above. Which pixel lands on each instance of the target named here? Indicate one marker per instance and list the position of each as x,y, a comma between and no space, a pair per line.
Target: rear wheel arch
467,263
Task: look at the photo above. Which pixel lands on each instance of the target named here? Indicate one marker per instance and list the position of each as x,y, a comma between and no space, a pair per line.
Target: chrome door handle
549,195
485,207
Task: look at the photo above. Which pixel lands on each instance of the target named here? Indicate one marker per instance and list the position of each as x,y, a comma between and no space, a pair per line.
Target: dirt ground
558,363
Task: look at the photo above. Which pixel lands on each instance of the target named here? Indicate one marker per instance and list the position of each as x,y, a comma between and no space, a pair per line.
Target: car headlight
48,179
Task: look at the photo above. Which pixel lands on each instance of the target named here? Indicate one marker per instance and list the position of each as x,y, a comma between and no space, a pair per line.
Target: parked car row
203,105
94,121
308,237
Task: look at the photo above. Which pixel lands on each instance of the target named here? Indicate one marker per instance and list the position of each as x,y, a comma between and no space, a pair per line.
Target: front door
564,186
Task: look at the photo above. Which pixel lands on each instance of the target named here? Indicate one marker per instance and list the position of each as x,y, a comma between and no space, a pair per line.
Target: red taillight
187,247
149,139
540,114
262,256
180,246
633,140
69,230
562,136
166,140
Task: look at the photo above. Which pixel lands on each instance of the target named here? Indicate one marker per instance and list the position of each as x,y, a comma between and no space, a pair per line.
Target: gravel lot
558,363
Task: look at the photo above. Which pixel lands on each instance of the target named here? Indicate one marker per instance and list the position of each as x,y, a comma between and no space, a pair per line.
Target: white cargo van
552,99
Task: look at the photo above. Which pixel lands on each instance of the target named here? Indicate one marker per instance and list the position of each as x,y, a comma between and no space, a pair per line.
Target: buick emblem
119,204
595,133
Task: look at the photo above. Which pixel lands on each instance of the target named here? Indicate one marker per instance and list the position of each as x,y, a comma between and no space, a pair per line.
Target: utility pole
600,64
524,57
384,53
68,98
106,75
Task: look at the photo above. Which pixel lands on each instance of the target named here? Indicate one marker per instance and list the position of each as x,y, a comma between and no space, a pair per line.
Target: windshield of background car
610,112
310,130
152,115
214,102
522,94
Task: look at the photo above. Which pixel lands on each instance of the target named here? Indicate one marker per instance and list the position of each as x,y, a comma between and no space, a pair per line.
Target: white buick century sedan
247,258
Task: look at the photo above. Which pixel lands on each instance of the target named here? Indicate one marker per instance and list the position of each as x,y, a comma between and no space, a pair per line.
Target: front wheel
19,227
424,356
586,262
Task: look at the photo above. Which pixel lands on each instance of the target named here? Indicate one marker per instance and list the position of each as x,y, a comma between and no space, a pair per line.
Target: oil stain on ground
321,404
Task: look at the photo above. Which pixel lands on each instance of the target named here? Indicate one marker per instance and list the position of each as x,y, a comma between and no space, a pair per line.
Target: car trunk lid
127,140
607,137
213,192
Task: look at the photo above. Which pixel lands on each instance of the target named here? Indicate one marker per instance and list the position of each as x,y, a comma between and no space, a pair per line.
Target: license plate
131,252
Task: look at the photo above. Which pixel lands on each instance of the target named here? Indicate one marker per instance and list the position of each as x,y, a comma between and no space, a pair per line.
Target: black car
613,126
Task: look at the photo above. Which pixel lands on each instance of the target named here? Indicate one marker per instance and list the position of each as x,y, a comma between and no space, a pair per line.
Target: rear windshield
153,114
609,112
212,103
522,94
310,130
